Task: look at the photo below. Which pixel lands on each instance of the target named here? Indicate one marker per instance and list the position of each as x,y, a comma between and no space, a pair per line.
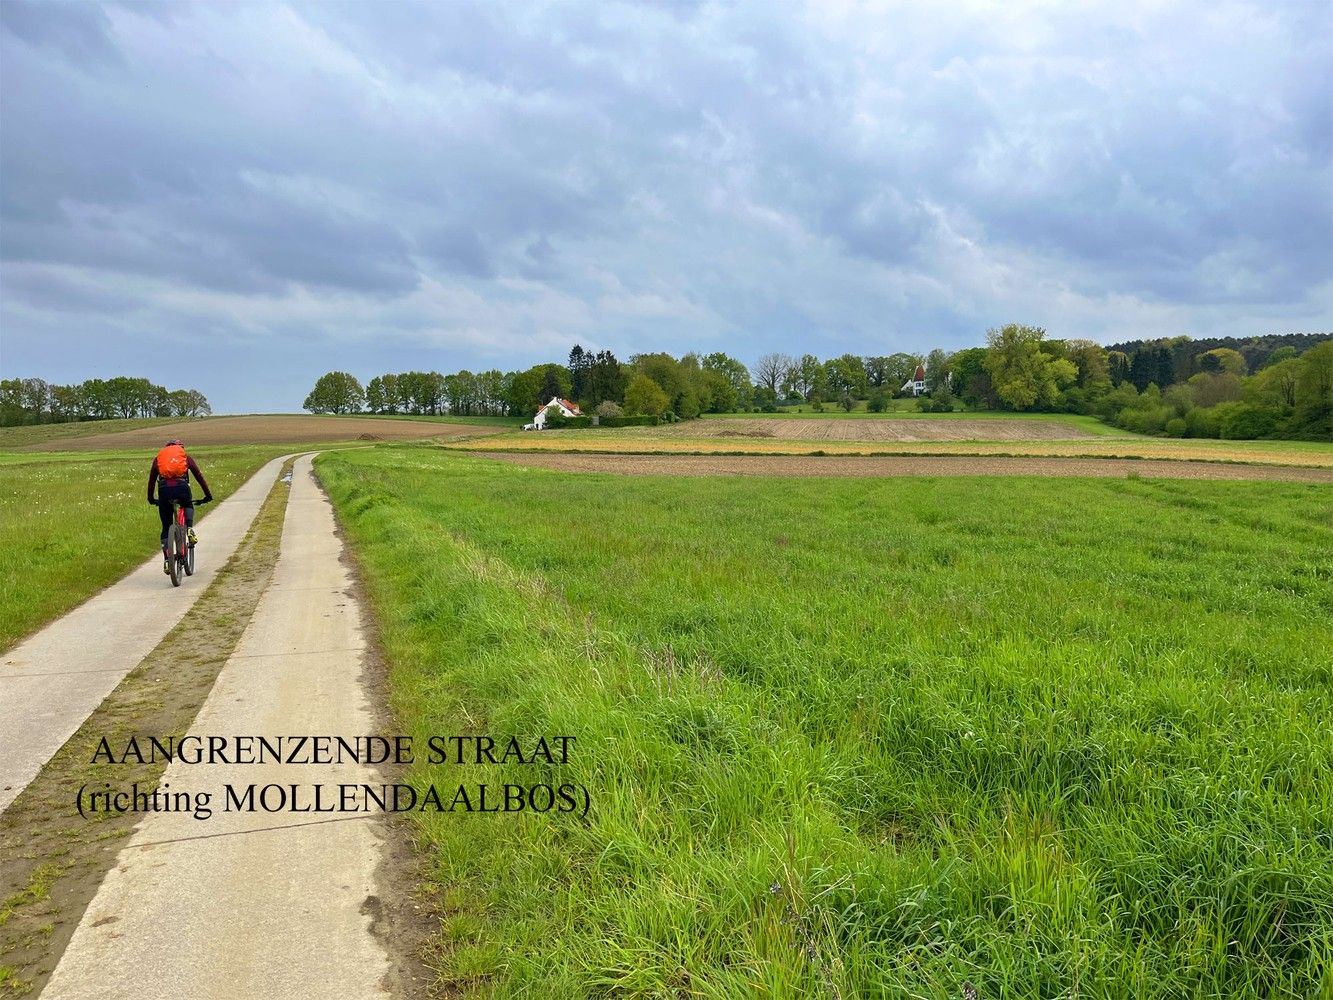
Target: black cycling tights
181,494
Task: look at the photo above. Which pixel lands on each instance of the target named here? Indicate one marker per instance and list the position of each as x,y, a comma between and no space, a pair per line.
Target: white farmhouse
565,407
916,385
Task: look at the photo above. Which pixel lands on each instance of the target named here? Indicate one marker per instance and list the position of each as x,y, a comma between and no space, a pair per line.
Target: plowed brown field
279,429
961,465
880,429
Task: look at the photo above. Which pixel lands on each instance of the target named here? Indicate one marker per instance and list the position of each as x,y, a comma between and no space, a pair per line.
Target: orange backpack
171,462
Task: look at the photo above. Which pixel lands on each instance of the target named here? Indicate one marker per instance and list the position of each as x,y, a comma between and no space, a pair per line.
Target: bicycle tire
173,546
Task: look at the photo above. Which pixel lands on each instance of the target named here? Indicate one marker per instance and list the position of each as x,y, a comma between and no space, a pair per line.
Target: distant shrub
1245,421
555,421
609,408
1176,428
878,401
1108,406
1146,418
1202,422
1073,400
939,401
642,420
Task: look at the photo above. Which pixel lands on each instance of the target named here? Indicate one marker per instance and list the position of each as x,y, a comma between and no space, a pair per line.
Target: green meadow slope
868,737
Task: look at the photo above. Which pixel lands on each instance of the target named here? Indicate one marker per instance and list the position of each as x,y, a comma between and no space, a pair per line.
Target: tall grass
869,738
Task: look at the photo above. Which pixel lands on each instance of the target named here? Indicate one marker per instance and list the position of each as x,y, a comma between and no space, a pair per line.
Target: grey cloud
59,292
459,250
784,176
80,32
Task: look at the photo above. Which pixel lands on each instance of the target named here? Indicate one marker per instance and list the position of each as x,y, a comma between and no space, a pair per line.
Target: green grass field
17,437
869,738
73,522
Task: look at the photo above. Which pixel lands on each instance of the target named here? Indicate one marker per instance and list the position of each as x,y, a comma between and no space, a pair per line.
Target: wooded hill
1181,353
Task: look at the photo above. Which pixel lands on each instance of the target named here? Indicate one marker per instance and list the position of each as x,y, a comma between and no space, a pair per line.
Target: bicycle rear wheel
175,542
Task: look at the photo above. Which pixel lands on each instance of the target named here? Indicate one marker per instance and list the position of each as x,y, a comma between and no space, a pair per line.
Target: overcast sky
238,197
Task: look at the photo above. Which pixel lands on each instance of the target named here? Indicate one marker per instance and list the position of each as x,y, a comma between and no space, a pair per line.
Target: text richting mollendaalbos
277,793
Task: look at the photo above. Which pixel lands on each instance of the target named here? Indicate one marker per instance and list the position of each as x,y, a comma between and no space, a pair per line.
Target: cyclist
170,472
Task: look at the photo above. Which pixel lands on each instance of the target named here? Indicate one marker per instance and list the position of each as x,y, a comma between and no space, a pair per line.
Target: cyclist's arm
152,480
199,477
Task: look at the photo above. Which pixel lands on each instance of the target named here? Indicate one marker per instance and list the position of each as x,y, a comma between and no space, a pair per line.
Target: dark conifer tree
580,362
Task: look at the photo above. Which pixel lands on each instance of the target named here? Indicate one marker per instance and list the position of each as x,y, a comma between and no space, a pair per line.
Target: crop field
263,429
1009,737
652,441
493,422
882,429
1083,423
901,465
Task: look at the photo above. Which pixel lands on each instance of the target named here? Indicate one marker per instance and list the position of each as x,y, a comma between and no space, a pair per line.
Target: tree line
1150,359
648,384
34,401
1262,387
1173,387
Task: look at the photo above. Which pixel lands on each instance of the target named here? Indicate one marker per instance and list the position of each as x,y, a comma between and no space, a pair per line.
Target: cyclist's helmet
174,441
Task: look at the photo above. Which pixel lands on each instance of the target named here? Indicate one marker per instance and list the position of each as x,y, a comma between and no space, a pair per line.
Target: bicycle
179,547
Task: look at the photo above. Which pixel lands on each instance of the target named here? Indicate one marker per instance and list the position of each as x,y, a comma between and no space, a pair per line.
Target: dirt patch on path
961,465
283,429
880,429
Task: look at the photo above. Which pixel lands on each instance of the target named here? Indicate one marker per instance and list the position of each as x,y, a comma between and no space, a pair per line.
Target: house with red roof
563,406
916,385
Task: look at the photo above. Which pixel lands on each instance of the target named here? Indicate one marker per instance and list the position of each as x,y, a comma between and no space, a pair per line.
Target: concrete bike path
250,904
52,681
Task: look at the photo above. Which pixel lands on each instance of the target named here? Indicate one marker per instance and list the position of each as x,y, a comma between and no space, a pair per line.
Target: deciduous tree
771,370
336,392
1314,391
1023,375
937,371
644,396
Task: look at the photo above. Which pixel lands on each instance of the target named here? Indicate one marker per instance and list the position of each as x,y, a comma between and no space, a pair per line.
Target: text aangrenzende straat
279,794
374,750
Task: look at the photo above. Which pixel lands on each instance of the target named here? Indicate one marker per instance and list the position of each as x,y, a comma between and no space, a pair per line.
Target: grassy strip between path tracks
54,859
866,738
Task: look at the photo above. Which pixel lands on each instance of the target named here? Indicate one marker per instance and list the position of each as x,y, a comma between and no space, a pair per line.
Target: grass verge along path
54,859
869,737
72,523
